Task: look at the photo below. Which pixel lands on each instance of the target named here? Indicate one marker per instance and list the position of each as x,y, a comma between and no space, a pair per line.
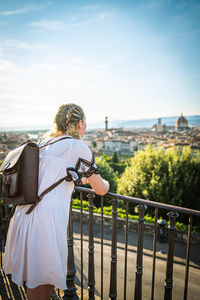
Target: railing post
188,257
113,273
170,255
154,252
91,277
139,267
70,292
81,231
126,248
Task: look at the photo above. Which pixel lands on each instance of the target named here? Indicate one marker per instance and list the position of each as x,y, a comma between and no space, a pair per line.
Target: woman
36,245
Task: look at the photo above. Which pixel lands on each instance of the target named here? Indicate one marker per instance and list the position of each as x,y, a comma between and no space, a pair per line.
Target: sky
122,59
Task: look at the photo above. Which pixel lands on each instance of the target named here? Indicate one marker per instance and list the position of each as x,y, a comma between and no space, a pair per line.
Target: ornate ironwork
70,293
170,255
113,272
91,276
139,266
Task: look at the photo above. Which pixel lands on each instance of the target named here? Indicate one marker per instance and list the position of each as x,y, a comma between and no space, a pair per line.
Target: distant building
3,147
106,123
158,127
181,123
110,145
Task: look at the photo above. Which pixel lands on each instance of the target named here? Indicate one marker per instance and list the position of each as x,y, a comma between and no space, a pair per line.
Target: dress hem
19,283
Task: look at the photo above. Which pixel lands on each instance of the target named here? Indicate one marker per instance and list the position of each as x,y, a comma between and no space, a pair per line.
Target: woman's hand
84,180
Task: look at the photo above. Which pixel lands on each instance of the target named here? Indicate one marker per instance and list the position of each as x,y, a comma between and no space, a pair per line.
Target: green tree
170,177
118,165
105,157
107,173
94,144
115,158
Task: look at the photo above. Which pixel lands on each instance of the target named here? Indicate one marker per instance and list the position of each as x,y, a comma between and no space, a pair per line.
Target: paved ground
179,268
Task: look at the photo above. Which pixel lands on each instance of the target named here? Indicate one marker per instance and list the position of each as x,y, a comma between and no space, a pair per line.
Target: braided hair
66,119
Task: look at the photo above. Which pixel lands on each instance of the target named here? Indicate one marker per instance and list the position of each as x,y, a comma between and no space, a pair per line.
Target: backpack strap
50,143
54,185
50,188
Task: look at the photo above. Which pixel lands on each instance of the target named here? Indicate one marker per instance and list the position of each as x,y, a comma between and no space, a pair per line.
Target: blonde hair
66,119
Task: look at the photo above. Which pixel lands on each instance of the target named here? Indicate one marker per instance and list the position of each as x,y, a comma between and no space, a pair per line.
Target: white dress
36,246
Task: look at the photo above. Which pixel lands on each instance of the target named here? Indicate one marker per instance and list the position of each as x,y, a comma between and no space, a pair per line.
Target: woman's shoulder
77,146
49,140
81,149
80,145
42,142
79,142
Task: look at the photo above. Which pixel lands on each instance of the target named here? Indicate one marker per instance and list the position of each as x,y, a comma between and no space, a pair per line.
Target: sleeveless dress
36,248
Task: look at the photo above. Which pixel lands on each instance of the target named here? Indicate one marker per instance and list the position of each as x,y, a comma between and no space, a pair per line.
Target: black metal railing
173,213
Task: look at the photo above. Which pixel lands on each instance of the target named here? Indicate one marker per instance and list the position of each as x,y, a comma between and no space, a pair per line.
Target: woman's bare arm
99,185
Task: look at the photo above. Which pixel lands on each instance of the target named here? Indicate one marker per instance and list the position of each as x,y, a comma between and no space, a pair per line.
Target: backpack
20,175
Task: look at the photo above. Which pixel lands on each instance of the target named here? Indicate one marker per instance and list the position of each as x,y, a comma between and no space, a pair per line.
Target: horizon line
111,120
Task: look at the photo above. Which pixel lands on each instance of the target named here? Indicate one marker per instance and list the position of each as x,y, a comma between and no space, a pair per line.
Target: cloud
75,63
74,21
10,67
51,25
11,47
24,10
16,45
57,25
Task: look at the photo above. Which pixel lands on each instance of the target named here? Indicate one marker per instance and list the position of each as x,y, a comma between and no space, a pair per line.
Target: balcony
107,262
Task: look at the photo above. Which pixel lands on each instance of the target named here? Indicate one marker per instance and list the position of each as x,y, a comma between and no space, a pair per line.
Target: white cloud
23,10
57,25
67,65
9,67
74,21
51,25
8,44
17,11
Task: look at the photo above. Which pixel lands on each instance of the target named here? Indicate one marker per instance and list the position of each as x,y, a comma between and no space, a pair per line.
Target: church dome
181,122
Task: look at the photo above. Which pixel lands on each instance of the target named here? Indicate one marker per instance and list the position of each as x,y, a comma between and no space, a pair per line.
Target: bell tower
106,123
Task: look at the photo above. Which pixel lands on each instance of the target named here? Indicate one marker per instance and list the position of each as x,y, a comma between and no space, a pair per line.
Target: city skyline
148,123
125,59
